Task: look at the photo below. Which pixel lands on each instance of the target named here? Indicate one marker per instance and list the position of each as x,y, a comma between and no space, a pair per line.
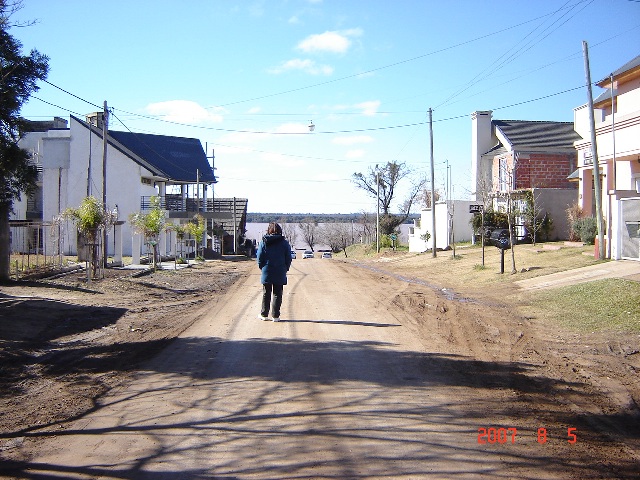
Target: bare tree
338,236
289,232
367,227
506,182
381,183
308,228
424,196
532,214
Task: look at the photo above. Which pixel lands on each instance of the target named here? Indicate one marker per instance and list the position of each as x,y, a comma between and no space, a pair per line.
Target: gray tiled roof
524,135
606,95
631,64
179,159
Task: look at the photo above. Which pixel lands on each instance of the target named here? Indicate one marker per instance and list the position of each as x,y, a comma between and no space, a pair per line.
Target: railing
35,249
176,203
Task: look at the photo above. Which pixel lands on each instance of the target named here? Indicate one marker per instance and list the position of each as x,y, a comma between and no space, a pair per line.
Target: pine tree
18,77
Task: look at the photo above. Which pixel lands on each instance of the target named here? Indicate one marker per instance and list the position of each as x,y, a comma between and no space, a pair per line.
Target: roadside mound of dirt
591,379
64,342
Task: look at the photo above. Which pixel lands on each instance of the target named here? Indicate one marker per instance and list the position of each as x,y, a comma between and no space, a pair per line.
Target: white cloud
283,160
254,110
358,153
248,137
236,138
369,108
292,128
185,111
332,42
352,140
226,150
305,65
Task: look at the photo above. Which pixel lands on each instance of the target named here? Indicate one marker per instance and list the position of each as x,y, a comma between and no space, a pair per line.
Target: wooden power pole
594,155
105,130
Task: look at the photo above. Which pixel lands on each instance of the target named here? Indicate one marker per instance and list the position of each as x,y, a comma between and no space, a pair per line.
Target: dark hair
274,228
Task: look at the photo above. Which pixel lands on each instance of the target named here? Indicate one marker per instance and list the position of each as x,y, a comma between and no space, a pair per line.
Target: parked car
307,254
326,255
293,254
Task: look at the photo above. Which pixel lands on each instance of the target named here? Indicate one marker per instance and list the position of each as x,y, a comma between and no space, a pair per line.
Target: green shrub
586,228
385,241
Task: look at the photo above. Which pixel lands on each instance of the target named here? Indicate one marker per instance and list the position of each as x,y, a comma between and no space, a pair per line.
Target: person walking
274,259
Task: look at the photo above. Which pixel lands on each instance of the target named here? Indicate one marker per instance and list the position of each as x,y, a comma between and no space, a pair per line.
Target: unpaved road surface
368,375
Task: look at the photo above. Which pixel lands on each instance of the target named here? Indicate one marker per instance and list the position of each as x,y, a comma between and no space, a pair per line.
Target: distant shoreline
259,217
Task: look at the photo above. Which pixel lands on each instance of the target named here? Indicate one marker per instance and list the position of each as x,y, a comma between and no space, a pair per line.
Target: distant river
255,231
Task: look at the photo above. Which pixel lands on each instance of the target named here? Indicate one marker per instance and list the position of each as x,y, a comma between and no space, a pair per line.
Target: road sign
394,236
475,208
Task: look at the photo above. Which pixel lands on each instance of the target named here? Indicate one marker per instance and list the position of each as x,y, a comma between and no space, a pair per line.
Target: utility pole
594,155
197,190
105,130
89,163
433,186
377,210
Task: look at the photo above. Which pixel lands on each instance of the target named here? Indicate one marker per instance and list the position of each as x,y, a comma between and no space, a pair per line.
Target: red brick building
520,156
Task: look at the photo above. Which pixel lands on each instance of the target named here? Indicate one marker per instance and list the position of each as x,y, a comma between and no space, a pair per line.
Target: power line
335,132
54,105
355,75
502,62
73,95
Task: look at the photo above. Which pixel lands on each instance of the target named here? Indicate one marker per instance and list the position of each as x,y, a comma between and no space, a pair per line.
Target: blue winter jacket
274,259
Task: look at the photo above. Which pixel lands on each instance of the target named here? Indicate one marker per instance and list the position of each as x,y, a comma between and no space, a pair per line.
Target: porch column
162,190
136,243
585,194
117,244
163,244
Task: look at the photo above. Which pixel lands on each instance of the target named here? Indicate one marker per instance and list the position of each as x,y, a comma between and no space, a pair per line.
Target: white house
137,167
617,128
452,224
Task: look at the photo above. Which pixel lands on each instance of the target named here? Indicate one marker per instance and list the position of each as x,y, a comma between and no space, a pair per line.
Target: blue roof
176,158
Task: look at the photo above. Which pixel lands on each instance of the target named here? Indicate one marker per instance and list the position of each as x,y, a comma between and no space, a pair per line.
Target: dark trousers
267,289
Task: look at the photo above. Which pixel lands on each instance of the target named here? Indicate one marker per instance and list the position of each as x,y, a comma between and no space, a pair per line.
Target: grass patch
468,270
610,304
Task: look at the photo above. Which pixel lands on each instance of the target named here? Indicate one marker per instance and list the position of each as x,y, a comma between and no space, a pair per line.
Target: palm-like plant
90,219
150,224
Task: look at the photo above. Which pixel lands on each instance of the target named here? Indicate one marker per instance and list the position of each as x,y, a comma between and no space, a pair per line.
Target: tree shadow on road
282,408
30,327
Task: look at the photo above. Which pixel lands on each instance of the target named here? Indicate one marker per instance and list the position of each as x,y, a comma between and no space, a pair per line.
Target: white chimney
481,143
95,119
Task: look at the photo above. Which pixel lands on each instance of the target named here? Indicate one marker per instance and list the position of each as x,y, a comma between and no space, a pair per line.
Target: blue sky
247,78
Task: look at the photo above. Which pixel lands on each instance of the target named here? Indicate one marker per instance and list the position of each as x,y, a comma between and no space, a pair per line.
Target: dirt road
366,376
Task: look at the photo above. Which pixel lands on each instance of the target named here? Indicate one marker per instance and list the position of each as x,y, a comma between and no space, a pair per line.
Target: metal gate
35,248
630,228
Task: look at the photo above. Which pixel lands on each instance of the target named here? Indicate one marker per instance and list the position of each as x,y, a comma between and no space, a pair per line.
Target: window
503,175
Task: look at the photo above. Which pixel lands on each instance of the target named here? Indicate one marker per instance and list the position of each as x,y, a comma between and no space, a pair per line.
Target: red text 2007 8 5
508,435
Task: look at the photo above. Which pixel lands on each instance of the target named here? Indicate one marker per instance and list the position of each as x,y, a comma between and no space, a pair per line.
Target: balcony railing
175,203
